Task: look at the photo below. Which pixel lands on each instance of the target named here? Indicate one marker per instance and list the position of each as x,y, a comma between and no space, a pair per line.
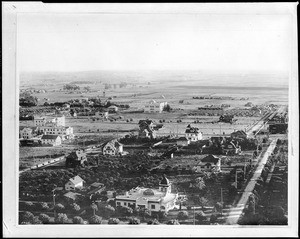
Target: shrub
219,207
213,218
153,222
44,206
183,215
95,220
134,221
26,217
125,211
109,210
75,207
59,207
200,216
202,202
173,222
29,205
44,218
78,220
113,221
61,218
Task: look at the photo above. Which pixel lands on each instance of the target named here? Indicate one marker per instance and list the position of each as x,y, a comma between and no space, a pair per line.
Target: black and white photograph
149,119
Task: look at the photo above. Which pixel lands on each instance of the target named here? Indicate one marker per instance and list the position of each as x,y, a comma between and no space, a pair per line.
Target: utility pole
236,178
222,195
194,214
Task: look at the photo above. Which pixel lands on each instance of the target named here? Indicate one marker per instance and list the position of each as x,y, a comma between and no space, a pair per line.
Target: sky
84,42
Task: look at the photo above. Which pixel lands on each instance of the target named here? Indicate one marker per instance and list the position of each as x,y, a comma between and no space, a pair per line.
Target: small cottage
209,163
182,141
74,183
96,188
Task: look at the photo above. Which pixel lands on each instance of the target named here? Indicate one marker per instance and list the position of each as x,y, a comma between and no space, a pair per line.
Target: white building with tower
161,199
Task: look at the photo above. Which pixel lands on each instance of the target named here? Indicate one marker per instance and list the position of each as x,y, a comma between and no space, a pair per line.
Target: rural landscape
153,147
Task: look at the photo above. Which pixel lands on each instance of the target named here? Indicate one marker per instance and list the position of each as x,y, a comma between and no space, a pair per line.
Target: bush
134,221
44,206
26,217
59,207
95,220
109,211
113,221
75,207
183,215
29,205
213,218
78,220
173,222
153,222
61,218
202,202
125,211
200,216
36,220
44,218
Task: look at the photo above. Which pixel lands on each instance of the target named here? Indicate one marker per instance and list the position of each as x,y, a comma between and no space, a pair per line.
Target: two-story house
53,140
112,147
193,134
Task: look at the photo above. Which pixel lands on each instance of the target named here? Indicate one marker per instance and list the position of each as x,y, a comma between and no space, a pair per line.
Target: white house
39,121
74,183
209,163
193,134
182,141
54,121
161,199
65,132
154,107
53,140
112,147
26,133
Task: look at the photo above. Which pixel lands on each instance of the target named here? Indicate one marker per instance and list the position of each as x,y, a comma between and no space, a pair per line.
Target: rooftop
47,136
144,194
76,180
210,159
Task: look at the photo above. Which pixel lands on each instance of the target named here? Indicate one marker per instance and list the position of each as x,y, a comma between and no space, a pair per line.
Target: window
118,204
125,203
152,206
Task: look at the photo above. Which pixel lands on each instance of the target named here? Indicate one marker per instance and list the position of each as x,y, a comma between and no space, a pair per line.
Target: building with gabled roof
209,163
182,141
193,134
75,158
154,107
53,140
112,147
74,183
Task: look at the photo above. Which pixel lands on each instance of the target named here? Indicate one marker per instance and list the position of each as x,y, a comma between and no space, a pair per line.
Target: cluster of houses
48,130
153,199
